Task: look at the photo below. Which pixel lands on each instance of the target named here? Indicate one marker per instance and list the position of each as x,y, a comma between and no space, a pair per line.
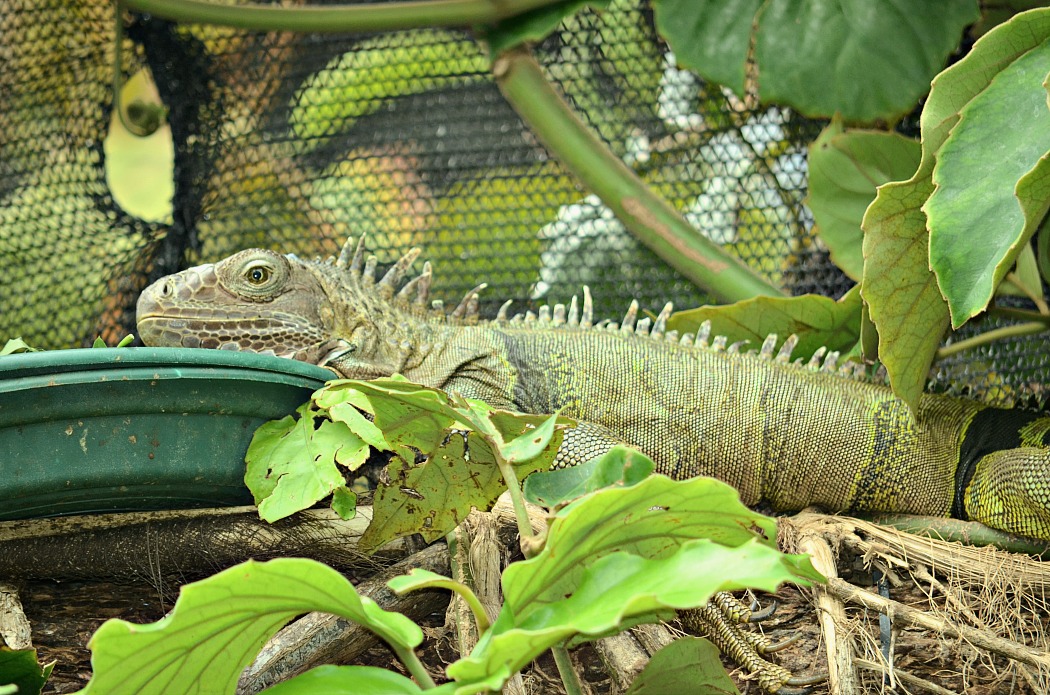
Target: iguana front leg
1010,490
722,620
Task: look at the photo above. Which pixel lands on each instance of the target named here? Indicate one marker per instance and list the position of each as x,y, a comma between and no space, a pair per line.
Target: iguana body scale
788,434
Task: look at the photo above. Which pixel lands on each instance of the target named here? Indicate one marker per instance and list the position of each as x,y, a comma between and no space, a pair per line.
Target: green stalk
339,18
525,534
969,532
649,217
989,337
569,678
415,667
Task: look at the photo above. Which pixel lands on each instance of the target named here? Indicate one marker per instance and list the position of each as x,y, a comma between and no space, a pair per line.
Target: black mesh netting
296,141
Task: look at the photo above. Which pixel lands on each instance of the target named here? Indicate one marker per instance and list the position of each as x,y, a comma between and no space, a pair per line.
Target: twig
900,614
905,677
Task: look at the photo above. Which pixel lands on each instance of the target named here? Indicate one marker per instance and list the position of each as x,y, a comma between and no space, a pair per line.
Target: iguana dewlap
792,435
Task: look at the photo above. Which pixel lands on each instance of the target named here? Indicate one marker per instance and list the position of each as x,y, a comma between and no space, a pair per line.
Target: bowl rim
25,364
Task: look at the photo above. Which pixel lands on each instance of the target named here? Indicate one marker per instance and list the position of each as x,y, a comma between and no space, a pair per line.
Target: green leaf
621,587
817,321
347,680
899,288
687,665
529,443
1026,280
418,578
344,502
292,464
434,496
865,59
998,195
98,342
652,519
533,25
15,345
408,415
621,466
845,168
219,624
20,668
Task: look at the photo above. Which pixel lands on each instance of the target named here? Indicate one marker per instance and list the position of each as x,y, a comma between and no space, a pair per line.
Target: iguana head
255,300
332,312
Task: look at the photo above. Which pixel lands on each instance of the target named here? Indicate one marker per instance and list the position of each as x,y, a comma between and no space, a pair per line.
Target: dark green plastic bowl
128,429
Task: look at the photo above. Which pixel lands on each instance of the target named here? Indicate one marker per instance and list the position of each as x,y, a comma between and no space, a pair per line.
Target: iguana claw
722,619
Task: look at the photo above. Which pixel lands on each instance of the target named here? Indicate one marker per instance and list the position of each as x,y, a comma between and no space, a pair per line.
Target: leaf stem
1015,280
414,666
1007,312
387,16
569,678
991,336
517,499
647,215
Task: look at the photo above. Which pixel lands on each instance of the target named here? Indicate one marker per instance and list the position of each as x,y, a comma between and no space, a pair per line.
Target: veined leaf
997,198
689,664
622,556
865,59
621,466
845,168
349,680
219,624
817,321
433,497
898,288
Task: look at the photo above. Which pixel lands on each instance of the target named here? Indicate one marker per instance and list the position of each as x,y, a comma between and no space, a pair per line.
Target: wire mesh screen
296,141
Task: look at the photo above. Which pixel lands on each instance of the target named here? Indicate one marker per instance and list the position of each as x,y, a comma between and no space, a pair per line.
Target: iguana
784,433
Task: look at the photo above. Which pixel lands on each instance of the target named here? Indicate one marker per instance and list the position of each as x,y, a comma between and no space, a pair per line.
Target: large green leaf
996,194
902,293
817,321
687,665
20,668
291,464
624,555
865,59
348,680
651,519
898,288
845,168
433,497
621,465
219,624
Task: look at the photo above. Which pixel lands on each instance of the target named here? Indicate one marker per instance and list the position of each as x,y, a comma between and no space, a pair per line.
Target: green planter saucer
127,429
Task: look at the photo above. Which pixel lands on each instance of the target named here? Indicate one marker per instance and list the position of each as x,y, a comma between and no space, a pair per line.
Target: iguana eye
257,274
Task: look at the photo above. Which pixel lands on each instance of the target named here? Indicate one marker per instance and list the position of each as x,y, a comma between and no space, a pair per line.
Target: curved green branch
649,217
991,336
969,532
411,14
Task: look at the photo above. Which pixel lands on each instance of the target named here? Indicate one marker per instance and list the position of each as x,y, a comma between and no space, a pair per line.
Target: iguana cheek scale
787,433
